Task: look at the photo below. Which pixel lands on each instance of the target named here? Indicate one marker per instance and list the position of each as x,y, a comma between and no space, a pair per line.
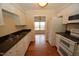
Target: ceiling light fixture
42,4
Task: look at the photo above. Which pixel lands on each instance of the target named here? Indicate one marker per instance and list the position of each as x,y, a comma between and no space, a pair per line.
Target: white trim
74,21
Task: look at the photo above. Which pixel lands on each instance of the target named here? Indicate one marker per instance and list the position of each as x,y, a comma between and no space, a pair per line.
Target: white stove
67,46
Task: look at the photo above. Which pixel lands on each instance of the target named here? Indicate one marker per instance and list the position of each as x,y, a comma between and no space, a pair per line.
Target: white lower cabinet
20,48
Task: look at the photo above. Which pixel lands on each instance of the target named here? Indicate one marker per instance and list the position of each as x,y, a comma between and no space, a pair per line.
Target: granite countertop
75,39
8,41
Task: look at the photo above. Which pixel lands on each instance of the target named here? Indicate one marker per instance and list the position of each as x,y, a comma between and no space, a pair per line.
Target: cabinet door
10,8
14,10
64,15
1,16
22,19
65,19
11,52
68,11
20,48
24,44
17,50
27,41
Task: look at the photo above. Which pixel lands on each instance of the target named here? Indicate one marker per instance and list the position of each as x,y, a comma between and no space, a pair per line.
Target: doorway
39,27
39,24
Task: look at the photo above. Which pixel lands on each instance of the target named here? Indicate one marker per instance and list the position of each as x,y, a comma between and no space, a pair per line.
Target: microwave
73,18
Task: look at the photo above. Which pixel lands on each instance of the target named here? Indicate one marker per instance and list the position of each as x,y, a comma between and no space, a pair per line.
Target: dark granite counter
75,39
8,41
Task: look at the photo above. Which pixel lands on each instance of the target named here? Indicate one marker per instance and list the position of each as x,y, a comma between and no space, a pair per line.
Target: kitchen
17,27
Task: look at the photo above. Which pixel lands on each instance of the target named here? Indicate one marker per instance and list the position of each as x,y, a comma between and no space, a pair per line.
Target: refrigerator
55,25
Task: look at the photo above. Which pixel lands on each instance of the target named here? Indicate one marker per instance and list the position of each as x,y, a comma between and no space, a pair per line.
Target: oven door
68,44
63,51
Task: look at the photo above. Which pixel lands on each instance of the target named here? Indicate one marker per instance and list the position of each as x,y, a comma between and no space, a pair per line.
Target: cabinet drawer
16,50
20,48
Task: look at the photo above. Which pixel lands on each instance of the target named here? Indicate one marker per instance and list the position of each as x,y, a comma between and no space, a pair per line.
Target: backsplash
72,26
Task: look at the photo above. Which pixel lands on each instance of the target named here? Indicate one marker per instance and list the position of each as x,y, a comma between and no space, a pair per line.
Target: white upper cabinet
10,8
64,17
21,19
65,14
1,16
68,11
74,11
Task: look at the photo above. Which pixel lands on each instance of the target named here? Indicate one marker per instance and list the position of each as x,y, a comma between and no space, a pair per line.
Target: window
39,25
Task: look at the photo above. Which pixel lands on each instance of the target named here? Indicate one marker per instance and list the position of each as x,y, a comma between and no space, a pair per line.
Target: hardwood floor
41,48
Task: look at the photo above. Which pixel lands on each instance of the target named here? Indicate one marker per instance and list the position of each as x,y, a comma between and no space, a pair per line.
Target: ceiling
50,6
